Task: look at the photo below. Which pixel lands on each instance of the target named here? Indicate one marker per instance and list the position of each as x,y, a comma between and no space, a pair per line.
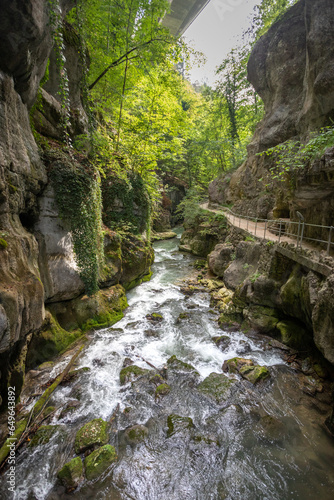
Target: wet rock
92,434
131,373
216,386
157,379
75,374
162,390
177,365
271,428
127,362
71,474
262,319
182,316
155,317
98,461
254,373
136,434
235,364
222,342
133,324
243,347
44,434
311,386
69,408
151,333
177,424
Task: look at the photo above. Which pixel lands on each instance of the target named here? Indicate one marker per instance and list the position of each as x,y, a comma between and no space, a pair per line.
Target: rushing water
262,442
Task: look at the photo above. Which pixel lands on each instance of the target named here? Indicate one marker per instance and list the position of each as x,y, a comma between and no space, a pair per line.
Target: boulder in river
71,474
92,434
98,461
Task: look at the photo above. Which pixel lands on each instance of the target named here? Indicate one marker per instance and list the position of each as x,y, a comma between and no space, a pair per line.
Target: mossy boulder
44,434
254,373
216,386
155,317
71,474
92,434
235,364
176,364
136,434
101,310
130,373
98,461
50,341
162,390
175,424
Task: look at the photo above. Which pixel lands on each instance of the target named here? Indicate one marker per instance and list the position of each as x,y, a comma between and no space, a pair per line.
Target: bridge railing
286,227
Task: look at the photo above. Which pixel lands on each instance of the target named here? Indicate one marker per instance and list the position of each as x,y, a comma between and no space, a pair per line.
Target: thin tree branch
125,57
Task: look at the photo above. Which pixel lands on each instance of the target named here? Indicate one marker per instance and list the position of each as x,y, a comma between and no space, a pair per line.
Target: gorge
229,372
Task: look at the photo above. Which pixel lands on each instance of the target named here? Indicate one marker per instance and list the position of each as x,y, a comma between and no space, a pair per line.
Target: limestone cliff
291,67
41,292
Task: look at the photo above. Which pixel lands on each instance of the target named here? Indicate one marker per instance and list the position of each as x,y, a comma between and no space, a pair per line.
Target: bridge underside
183,13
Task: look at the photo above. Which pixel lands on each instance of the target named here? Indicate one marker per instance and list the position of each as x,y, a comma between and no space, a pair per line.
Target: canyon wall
291,67
42,303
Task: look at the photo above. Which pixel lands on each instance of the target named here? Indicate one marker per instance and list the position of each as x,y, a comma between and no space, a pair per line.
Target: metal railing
284,227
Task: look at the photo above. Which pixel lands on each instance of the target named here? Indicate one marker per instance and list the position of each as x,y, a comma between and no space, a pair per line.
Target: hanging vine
56,24
78,197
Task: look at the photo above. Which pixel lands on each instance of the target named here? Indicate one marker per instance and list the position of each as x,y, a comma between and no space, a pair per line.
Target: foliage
58,38
126,202
78,197
291,155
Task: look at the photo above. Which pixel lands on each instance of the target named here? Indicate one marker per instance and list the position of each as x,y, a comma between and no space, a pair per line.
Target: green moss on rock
71,474
136,434
129,373
254,373
94,433
216,386
293,335
50,341
98,461
44,434
175,424
162,390
234,365
3,244
178,365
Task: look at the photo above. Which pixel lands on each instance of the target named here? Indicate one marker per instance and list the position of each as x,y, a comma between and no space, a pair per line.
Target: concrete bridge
183,13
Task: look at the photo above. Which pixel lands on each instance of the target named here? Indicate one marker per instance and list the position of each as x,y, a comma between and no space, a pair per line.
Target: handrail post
247,223
298,234
239,220
329,240
255,225
301,237
265,229
280,231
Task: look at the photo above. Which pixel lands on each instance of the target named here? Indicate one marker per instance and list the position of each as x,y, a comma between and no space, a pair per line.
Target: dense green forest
145,116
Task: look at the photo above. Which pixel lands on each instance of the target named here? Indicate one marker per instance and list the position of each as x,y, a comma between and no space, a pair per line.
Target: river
261,442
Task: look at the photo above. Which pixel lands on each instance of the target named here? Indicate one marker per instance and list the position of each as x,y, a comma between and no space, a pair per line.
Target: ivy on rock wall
78,197
126,203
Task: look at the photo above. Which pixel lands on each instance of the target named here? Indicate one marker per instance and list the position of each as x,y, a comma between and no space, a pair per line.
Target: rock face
291,67
275,295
